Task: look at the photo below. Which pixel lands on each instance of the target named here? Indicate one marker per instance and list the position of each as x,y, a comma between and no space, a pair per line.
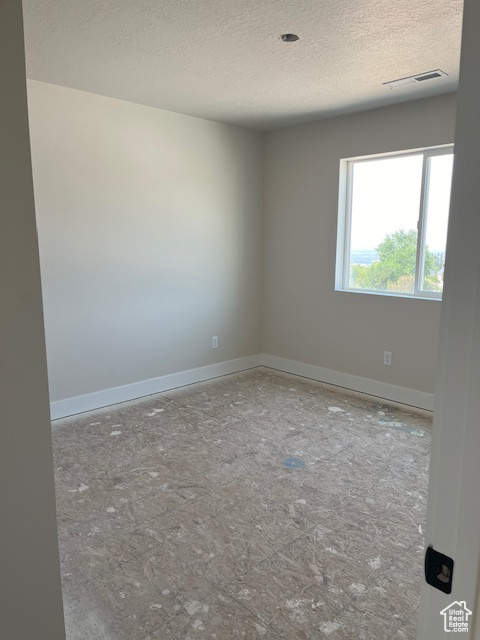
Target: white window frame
345,195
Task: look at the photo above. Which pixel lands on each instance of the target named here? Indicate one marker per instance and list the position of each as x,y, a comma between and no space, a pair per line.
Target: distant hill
364,257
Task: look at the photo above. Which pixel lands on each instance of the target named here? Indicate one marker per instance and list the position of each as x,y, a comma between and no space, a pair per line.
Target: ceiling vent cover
421,77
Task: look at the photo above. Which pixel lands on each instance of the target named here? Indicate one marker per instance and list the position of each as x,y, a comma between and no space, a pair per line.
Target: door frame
453,518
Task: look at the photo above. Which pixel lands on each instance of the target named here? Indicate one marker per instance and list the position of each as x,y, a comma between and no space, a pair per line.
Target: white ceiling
224,59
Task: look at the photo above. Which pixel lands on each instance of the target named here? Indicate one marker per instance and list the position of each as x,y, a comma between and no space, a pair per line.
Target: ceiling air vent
421,77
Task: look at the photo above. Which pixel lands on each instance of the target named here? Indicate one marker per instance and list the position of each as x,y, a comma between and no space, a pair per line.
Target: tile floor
258,505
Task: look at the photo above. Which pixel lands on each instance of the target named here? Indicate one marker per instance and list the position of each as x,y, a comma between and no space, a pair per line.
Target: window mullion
420,257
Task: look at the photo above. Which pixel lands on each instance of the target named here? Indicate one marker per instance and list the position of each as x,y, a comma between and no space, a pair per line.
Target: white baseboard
107,397
384,390
99,399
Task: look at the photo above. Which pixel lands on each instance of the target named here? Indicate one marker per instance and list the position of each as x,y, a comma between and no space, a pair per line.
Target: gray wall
30,595
150,227
304,319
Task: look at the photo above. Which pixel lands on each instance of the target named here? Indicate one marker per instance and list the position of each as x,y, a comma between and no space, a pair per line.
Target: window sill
387,294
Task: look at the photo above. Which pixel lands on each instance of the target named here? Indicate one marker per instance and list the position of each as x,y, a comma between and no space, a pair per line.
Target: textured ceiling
224,59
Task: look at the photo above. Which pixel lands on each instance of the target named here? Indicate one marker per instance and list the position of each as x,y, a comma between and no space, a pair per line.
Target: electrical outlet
215,342
387,358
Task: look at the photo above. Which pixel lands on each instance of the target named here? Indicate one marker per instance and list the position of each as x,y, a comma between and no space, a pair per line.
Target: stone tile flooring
258,505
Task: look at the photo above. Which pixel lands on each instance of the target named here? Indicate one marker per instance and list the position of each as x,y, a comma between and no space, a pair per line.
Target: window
393,218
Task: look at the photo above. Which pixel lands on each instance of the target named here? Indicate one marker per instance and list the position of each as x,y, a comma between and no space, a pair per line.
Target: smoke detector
421,77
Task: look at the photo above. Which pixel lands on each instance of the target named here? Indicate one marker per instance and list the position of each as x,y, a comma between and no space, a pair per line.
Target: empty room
241,319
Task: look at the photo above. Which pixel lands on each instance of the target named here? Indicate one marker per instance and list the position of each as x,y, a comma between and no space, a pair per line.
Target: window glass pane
436,221
385,207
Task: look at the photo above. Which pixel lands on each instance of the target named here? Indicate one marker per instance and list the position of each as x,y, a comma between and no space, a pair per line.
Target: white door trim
453,522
